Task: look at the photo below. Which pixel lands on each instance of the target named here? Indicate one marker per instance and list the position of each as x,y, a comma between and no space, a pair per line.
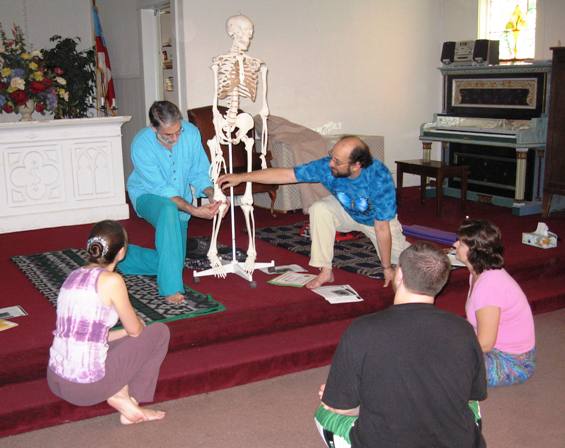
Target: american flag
105,84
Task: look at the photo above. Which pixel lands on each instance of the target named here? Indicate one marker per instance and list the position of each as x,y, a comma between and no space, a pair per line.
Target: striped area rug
47,271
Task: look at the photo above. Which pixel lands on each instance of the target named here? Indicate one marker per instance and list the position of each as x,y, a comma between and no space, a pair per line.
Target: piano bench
436,169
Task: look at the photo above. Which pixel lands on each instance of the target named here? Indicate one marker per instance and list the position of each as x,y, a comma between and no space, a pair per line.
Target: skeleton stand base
233,266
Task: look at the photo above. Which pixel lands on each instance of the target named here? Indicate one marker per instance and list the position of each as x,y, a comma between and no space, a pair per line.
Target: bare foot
148,415
326,275
130,412
175,299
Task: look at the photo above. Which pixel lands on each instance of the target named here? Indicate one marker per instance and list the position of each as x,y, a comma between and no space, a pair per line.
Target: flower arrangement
25,77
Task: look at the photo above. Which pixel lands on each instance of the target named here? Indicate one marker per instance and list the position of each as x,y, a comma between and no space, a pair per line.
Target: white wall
550,27
66,18
369,64
41,19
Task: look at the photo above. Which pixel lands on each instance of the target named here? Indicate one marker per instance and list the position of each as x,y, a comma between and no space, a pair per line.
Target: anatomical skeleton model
236,76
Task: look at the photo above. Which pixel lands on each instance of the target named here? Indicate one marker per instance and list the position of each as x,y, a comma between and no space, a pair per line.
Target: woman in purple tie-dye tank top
88,362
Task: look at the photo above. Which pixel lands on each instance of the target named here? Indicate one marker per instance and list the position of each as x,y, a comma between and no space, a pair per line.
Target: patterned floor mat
358,256
47,271
197,249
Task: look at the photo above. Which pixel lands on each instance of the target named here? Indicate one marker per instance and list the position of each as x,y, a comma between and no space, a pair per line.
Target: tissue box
540,240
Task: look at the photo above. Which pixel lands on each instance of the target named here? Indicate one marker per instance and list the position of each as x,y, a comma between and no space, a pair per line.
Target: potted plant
78,69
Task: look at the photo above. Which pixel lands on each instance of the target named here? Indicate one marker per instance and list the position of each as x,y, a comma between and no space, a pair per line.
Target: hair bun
95,250
97,247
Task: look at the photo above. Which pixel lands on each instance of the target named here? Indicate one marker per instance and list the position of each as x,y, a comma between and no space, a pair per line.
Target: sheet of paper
12,311
6,324
454,261
272,270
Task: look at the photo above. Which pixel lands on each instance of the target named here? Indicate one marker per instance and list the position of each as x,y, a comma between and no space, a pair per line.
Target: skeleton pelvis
241,124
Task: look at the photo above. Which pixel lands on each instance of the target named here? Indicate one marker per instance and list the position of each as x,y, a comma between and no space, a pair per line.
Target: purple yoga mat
429,233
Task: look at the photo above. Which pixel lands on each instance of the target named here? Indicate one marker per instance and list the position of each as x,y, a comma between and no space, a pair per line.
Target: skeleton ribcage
231,82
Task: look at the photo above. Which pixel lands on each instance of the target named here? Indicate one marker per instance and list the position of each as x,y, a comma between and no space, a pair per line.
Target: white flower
61,81
37,53
18,83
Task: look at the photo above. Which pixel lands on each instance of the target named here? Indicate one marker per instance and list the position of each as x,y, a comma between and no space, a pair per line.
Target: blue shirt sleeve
163,172
384,193
314,171
146,164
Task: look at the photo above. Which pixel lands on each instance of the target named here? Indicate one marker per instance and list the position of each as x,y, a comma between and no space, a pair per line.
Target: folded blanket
306,145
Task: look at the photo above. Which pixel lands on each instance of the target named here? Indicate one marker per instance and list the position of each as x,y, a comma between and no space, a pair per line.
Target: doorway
162,64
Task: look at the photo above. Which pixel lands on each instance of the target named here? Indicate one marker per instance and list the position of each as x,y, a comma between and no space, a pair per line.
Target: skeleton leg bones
216,166
247,208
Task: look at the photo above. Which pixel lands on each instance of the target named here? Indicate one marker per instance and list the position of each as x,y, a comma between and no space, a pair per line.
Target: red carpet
264,332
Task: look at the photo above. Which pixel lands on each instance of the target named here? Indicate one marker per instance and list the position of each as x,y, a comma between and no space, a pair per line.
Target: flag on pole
105,85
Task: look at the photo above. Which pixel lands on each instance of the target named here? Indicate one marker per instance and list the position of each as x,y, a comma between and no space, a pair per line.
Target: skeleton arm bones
264,113
272,176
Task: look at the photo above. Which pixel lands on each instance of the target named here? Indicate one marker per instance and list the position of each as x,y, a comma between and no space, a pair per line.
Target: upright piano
494,119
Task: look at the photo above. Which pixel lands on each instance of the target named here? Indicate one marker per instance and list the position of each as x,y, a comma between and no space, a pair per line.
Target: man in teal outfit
169,162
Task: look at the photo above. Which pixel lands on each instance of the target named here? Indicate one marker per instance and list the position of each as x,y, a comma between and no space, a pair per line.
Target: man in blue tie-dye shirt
363,198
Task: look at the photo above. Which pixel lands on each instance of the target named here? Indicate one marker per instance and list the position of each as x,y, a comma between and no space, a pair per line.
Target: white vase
26,110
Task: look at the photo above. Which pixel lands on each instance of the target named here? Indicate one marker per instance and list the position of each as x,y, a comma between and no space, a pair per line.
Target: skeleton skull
240,29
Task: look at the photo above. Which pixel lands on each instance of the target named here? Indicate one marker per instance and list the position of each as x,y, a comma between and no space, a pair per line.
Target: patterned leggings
505,369
334,428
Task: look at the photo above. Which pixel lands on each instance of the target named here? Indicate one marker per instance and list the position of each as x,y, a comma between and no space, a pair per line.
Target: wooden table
436,169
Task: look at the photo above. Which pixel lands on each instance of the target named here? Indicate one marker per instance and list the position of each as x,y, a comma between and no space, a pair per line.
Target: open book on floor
290,278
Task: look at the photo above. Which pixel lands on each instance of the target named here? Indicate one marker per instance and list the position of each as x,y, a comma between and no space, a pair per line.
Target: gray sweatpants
132,361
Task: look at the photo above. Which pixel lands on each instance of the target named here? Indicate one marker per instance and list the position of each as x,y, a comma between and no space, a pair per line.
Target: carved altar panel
34,175
92,170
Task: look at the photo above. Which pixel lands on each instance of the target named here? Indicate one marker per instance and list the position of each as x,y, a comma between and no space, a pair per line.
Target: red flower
40,107
47,82
36,86
58,71
19,97
3,85
7,108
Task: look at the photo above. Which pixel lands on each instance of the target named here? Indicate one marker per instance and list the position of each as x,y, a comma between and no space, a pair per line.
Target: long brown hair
485,244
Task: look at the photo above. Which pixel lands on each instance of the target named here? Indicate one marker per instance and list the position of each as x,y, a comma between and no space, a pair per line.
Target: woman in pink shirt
496,305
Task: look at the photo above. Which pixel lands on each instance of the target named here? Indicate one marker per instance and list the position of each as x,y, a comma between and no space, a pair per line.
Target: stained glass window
513,23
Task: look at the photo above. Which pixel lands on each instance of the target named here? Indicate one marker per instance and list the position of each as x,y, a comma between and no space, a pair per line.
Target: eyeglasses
336,161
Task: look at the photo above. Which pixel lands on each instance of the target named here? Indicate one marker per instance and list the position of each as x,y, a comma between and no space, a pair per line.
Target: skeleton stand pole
233,266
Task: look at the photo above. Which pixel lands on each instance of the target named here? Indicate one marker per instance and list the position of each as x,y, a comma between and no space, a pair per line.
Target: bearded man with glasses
363,198
169,162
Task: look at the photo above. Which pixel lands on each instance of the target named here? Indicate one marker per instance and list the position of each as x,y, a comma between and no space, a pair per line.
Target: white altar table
61,172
